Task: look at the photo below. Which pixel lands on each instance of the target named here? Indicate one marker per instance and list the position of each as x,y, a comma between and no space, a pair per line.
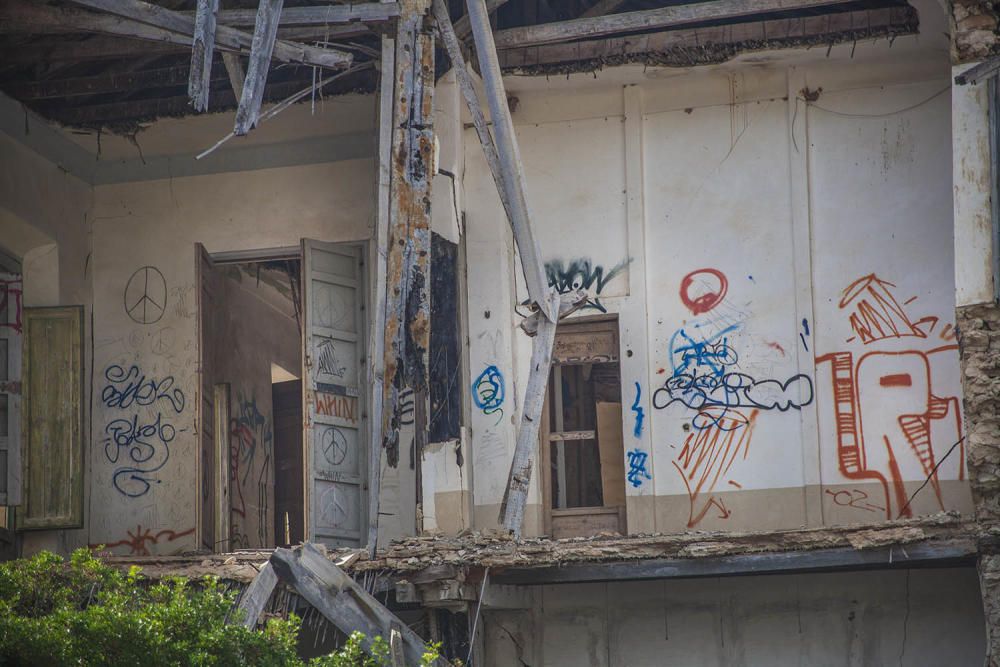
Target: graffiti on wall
138,542
637,472
488,392
10,304
140,439
638,411
583,274
328,362
250,447
145,295
703,289
889,408
708,455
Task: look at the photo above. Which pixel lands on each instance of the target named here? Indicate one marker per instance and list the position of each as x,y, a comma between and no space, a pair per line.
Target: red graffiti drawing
10,304
333,405
707,456
887,405
137,541
703,290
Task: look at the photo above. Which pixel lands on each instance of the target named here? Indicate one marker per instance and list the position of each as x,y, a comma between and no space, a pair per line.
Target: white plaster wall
731,173
916,617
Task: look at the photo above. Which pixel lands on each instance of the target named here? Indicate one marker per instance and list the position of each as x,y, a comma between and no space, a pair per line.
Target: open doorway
251,363
581,438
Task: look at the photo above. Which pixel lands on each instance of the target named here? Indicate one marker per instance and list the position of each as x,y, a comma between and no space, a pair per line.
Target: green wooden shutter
52,428
10,390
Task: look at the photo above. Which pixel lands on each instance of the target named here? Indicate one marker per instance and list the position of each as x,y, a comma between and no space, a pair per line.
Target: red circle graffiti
712,296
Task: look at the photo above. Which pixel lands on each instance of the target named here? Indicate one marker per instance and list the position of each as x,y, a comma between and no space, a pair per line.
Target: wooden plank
602,7
454,49
585,523
225,37
649,19
264,35
202,51
463,27
984,70
509,158
256,595
675,46
407,333
944,553
235,72
612,453
376,359
335,595
367,12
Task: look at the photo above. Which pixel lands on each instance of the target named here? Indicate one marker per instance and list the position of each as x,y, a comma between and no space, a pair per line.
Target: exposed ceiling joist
163,77
463,28
648,19
226,38
367,12
718,43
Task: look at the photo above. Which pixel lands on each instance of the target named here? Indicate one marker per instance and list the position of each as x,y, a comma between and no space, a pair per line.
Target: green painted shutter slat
52,425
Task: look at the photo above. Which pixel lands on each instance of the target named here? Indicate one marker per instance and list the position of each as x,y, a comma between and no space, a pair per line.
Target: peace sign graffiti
146,295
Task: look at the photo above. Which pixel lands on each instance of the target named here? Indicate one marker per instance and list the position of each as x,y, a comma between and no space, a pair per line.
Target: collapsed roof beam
226,38
265,34
649,19
463,27
367,12
202,50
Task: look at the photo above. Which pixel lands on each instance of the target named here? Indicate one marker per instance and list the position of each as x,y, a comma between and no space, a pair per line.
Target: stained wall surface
913,618
775,238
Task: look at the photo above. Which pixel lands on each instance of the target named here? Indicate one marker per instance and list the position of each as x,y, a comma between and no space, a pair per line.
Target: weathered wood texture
264,35
225,37
376,357
463,27
234,70
980,72
649,19
368,12
602,7
714,44
202,51
465,85
407,325
52,435
255,597
348,606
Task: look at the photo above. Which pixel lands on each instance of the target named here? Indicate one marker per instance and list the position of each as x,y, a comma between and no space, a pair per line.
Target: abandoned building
577,332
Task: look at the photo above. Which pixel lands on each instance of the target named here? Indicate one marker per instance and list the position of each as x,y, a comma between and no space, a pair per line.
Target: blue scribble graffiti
637,472
582,274
712,354
637,409
147,450
132,387
488,392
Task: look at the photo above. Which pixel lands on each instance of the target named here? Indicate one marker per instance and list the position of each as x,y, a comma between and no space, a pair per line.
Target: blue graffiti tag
145,445
131,387
712,354
637,409
637,467
488,391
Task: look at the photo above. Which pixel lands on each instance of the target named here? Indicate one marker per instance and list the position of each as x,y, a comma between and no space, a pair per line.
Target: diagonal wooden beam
225,37
202,51
345,604
602,7
649,19
367,12
264,35
463,27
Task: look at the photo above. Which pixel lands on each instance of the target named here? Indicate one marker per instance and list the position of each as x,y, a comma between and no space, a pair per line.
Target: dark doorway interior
288,464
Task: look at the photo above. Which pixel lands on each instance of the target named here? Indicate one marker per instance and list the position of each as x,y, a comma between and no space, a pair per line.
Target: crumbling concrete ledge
497,551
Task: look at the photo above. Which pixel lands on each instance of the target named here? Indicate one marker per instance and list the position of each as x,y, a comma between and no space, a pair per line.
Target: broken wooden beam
509,157
202,52
265,33
225,37
454,49
698,46
463,27
345,604
649,19
366,12
407,322
235,72
256,595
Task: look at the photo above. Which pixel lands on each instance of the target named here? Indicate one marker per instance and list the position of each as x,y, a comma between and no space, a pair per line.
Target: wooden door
334,437
208,306
10,389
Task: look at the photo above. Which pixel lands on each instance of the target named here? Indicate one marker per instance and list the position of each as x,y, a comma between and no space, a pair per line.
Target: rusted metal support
407,322
202,51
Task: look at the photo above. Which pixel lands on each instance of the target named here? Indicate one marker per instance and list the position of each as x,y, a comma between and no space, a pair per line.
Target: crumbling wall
974,29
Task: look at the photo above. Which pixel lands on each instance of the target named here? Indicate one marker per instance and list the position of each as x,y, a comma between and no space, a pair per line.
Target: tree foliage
83,612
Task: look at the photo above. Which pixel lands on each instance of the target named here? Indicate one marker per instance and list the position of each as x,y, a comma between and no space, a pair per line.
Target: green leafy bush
86,613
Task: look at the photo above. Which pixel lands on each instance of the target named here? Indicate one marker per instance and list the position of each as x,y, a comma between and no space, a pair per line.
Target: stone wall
974,30
979,327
